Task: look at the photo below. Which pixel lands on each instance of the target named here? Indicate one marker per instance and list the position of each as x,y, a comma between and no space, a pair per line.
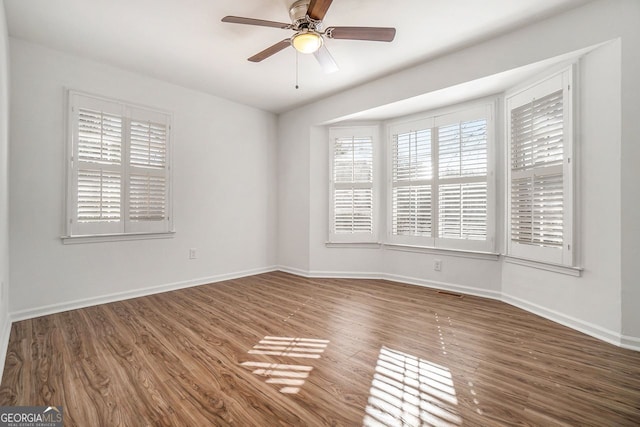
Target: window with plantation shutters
118,168
462,171
541,171
99,166
148,187
440,189
352,184
412,172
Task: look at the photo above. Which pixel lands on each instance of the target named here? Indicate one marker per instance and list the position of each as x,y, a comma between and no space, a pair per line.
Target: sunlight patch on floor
291,347
409,391
291,376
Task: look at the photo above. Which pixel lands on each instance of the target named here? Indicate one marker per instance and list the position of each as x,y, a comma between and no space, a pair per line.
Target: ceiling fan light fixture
307,42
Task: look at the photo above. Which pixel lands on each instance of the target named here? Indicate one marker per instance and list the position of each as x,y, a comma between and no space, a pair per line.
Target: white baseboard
5,332
293,270
588,328
329,274
445,286
394,278
630,343
345,275
624,341
120,296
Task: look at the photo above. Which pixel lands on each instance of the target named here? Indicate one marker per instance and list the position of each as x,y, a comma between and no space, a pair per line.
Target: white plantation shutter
463,149
99,170
353,210
148,172
412,210
148,161
536,171
463,211
462,190
352,181
98,133
148,144
540,171
411,176
99,137
119,173
99,196
440,190
147,198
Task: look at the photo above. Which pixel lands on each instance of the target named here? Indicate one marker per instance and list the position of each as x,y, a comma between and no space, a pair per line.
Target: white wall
4,185
293,202
630,175
224,171
594,298
591,303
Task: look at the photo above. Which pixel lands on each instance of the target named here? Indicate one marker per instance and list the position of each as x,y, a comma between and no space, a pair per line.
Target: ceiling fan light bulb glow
307,42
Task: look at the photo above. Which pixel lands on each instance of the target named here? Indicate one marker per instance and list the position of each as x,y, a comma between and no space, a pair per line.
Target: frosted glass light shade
307,42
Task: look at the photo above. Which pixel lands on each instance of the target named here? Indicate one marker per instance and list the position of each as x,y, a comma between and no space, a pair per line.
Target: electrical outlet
437,265
193,253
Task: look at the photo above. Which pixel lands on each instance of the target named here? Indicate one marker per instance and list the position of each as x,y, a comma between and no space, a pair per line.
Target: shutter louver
148,144
99,137
537,133
353,210
147,197
353,185
98,196
463,211
411,211
537,155
412,156
463,149
537,210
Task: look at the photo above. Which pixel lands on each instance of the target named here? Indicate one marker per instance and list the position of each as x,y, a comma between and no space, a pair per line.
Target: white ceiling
184,42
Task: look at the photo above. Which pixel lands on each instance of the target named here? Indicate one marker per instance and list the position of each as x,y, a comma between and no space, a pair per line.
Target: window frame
563,79
74,231
482,108
355,131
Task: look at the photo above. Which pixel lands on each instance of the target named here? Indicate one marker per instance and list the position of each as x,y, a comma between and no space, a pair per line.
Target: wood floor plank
277,349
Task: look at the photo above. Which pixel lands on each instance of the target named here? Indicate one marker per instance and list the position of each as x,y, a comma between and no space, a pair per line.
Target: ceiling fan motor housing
298,11
299,18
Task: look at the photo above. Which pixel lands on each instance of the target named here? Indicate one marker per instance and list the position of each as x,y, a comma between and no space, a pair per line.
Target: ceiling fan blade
251,21
379,34
318,8
271,50
326,60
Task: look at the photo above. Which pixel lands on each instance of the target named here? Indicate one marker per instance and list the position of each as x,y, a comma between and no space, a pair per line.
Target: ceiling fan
306,20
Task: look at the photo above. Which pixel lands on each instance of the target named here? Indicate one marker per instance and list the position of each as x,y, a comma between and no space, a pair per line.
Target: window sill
99,238
548,266
358,245
443,251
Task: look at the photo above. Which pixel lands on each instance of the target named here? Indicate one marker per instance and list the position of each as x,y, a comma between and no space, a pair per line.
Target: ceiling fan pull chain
297,87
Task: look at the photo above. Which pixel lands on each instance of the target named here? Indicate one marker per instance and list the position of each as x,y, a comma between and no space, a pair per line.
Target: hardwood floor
277,349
